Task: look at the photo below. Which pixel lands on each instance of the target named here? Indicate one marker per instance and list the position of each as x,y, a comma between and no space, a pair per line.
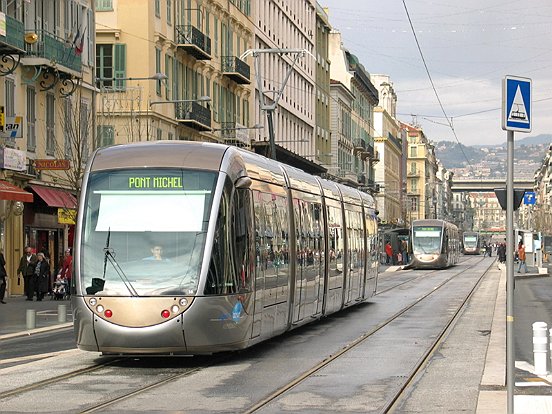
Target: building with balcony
388,144
173,71
287,78
421,175
47,97
352,120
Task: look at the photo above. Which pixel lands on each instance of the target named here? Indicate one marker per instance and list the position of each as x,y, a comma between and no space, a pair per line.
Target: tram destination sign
46,164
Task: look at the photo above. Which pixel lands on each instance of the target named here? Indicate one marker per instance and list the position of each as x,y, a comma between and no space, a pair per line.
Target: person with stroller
60,287
66,271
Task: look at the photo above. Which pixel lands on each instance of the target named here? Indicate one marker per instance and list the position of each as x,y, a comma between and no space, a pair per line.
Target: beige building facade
47,96
389,172
172,71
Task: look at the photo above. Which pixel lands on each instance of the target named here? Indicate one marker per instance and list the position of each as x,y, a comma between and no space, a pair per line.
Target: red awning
11,192
54,197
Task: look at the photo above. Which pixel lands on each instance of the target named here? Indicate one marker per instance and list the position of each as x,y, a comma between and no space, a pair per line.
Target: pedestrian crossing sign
516,104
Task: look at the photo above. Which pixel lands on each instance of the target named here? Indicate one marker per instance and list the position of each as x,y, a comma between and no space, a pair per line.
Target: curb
36,331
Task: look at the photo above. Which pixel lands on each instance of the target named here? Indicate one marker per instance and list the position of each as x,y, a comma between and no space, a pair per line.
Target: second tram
470,242
435,244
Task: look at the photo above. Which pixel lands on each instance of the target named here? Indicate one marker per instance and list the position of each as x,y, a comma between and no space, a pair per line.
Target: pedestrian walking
41,276
3,276
26,269
521,255
388,253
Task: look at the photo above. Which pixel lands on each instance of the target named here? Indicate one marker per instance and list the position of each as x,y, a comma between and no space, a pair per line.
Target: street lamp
175,101
158,76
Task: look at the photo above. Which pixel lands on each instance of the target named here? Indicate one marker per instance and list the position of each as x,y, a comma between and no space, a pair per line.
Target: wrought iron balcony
236,69
370,150
193,115
359,145
52,51
12,46
193,41
235,134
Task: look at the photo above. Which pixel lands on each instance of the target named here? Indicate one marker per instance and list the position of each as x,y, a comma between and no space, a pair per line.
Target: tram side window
241,225
221,277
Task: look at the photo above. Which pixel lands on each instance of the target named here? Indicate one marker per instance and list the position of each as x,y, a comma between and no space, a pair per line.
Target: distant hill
451,154
519,141
489,161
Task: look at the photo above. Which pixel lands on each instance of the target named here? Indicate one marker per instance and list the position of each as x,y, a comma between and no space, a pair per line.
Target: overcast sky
469,46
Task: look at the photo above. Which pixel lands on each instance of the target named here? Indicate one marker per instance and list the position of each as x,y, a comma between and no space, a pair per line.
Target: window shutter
119,70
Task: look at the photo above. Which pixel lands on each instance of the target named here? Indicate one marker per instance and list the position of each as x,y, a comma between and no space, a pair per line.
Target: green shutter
119,67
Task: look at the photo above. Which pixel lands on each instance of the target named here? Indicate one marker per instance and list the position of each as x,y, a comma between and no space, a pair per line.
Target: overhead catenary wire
434,88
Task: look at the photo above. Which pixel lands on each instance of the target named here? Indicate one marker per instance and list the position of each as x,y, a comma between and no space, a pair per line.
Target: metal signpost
516,116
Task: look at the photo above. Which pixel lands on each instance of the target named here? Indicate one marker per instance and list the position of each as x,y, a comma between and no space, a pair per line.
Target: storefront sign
12,159
45,164
67,216
12,127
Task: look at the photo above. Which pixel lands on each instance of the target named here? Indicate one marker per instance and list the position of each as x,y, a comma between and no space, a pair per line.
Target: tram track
280,392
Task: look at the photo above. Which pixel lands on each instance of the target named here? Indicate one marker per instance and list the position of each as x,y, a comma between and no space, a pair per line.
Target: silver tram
251,248
435,244
470,242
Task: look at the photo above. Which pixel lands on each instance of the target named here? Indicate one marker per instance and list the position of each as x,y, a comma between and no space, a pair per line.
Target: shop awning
11,192
54,197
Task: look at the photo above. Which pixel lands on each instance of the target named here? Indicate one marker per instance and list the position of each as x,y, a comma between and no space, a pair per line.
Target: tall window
111,65
67,130
158,70
106,135
50,124
157,8
104,5
169,12
31,119
413,151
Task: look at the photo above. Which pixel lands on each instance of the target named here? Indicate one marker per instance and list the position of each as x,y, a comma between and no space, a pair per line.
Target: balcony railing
14,41
359,145
193,41
236,69
194,115
234,134
53,51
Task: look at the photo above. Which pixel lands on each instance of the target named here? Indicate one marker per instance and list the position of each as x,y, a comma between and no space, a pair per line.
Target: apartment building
47,100
389,172
172,70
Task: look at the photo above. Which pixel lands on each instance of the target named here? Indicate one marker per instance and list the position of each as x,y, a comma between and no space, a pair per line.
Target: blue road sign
529,198
516,104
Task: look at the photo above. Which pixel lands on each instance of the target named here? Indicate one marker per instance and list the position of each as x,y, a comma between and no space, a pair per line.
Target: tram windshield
426,239
144,231
470,241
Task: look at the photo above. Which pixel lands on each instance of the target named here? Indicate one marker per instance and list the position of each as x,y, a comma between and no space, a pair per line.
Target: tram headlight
183,302
175,308
100,309
93,302
108,313
165,314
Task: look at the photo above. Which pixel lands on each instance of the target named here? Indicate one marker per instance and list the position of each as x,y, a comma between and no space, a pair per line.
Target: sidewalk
13,316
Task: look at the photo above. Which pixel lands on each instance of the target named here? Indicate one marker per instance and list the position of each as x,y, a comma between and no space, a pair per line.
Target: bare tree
121,111
74,144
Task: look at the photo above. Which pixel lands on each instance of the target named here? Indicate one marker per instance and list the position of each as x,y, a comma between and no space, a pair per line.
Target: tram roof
177,154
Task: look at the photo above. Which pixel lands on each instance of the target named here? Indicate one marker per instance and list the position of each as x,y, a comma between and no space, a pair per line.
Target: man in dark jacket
3,275
26,268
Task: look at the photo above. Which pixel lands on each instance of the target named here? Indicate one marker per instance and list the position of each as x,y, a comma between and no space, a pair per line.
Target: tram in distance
435,244
470,242
196,248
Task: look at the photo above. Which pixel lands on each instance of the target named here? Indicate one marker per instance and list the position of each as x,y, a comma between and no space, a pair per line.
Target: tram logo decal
235,315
